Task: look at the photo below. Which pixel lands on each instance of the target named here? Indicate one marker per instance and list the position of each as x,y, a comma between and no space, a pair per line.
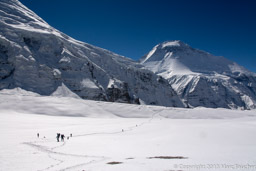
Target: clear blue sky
132,27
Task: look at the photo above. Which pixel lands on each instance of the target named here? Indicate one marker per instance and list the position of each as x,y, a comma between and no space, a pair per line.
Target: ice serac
36,57
202,79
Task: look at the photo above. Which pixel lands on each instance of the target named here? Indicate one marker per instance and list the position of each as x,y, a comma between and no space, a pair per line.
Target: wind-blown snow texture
202,79
39,58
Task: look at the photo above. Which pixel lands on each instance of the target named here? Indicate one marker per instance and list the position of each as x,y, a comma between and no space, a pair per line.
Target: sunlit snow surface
205,137
202,79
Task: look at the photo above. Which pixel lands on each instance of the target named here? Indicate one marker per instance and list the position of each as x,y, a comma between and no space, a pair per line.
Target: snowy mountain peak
173,57
173,43
202,79
166,47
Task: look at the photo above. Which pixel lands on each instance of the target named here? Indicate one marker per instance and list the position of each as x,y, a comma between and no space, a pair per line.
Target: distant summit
174,57
200,78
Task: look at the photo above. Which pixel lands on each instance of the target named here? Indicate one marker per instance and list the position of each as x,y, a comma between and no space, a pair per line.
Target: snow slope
22,101
208,139
39,58
202,79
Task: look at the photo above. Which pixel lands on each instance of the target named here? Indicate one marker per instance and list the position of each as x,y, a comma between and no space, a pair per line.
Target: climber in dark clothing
58,137
62,137
37,135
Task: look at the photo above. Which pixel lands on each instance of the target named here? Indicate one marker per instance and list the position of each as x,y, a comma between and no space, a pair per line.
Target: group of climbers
59,137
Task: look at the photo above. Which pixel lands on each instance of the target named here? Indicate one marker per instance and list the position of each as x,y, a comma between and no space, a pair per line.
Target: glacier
104,132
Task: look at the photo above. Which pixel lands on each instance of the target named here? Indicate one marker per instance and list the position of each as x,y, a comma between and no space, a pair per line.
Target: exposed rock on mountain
202,79
39,58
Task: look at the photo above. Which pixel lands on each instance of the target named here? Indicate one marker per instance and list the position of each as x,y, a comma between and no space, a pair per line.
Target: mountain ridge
37,57
200,78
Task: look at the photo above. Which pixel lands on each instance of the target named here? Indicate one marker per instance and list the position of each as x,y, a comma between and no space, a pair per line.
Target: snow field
206,137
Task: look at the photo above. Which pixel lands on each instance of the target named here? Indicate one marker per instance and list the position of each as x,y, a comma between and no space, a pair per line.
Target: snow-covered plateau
116,136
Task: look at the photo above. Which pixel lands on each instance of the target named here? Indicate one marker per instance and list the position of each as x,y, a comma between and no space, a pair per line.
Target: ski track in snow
50,151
